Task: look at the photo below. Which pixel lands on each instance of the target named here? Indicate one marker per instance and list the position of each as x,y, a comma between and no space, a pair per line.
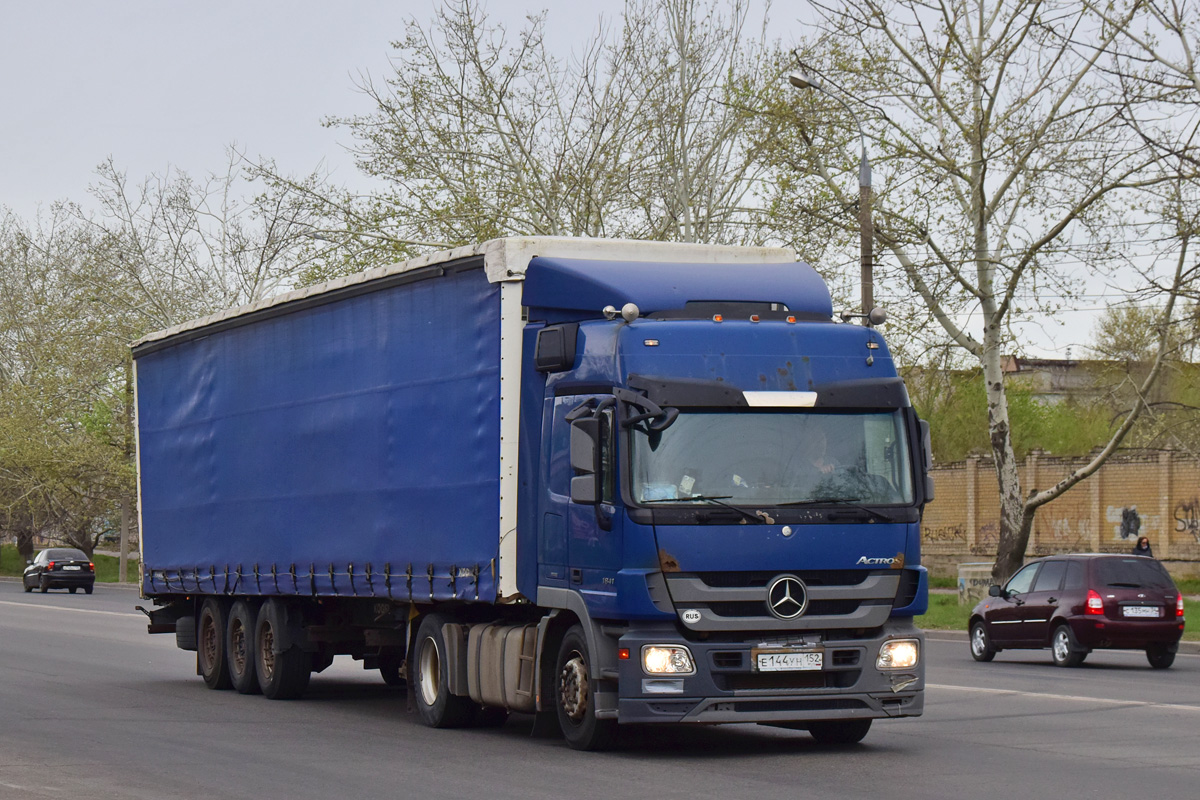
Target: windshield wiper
854,502
717,500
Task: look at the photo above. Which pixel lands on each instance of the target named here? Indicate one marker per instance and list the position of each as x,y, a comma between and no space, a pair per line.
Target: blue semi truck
601,482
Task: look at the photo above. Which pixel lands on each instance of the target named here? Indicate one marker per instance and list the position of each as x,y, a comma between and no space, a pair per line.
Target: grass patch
107,567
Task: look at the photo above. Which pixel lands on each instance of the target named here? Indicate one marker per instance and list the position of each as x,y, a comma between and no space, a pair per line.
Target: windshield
774,458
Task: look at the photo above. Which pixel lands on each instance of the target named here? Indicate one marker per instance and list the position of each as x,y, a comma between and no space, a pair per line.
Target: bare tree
1004,152
649,130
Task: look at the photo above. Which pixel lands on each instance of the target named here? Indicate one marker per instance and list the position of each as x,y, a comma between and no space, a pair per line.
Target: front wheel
1159,656
575,695
840,731
981,643
1063,649
429,672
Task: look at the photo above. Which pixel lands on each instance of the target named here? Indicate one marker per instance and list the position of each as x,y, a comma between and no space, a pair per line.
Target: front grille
837,599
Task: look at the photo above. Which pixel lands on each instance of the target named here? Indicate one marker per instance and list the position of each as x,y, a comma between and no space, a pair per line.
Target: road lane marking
77,610
1068,697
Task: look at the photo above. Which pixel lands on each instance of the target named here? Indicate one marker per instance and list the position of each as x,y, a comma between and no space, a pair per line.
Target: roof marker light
718,318
651,342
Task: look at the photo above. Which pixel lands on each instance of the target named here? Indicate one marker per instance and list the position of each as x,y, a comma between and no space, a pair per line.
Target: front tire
981,643
839,731
239,645
1159,656
575,685
1063,649
282,667
210,645
429,673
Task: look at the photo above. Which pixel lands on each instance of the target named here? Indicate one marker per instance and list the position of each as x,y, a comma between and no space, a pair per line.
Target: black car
60,568
1080,602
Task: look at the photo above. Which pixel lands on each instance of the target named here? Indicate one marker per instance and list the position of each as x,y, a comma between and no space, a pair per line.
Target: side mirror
995,591
585,461
927,459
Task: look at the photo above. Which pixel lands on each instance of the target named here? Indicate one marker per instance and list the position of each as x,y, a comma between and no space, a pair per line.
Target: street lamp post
866,226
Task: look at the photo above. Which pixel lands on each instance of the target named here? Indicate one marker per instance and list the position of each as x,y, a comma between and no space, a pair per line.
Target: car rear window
58,555
1133,572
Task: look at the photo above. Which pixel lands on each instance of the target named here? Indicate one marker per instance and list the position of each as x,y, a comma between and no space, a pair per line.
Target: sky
159,84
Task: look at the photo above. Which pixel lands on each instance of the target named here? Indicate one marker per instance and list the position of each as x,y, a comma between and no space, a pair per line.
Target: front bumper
726,688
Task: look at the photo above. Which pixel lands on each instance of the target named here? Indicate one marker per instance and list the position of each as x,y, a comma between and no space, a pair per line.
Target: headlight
667,659
898,654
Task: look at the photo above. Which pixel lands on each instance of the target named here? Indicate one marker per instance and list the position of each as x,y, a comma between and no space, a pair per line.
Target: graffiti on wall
1126,522
946,534
1187,518
1063,536
987,539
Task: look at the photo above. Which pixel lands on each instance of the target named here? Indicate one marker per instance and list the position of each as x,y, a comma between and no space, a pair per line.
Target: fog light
667,659
898,654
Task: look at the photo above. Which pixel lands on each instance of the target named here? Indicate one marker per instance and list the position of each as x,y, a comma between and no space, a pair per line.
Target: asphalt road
91,706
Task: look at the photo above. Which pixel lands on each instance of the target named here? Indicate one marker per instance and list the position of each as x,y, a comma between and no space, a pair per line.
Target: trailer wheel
283,667
575,696
239,645
210,645
431,692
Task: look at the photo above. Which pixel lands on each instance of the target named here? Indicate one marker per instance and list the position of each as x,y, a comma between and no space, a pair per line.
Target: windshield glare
774,458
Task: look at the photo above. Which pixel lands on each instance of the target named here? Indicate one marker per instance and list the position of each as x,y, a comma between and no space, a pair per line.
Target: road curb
113,584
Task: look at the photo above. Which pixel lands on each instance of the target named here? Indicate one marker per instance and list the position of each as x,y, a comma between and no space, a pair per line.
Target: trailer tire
282,667
240,649
210,645
575,695
428,671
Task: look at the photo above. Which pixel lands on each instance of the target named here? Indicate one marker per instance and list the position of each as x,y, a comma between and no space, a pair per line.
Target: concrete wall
1156,495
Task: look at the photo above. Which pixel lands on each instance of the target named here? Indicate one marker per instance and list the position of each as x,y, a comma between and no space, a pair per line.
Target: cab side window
1050,578
1023,580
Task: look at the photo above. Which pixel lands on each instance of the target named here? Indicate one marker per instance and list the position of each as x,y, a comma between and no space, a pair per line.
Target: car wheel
87,590
575,683
210,645
28,588
840,731
981,643
1063,648
43,585
73,589
1160,656
436,706
239,647
283,668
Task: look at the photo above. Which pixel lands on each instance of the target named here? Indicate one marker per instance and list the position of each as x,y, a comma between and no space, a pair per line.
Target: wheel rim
573,686
266,651
1062,645
208,642
978,642
431,671
237,645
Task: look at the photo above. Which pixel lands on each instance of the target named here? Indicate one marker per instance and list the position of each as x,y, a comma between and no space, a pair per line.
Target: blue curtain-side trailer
600,482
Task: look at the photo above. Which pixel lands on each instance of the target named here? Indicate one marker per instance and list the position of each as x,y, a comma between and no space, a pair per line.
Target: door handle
1052,600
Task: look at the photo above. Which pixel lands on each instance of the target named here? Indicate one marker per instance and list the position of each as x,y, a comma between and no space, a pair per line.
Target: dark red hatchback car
1077,603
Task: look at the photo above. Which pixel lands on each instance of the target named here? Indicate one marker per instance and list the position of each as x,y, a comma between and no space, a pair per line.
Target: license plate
73,569
788,661
1139,611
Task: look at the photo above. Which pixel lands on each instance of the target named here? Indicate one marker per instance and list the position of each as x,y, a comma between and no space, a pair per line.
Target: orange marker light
623,653
791,319
718,318
754,317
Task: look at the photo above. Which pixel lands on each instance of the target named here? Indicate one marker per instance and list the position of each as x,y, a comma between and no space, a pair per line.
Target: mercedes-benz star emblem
787,597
